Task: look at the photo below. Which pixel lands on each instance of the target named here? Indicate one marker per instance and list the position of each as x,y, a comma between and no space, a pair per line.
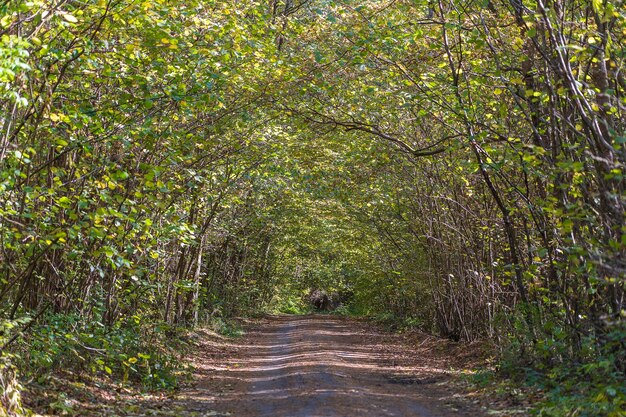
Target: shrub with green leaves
127,351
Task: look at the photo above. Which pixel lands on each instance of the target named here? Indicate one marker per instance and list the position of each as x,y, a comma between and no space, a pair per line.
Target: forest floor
317,365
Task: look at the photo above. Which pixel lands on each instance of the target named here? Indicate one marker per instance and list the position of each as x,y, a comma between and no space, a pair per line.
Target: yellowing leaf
70,18
6,20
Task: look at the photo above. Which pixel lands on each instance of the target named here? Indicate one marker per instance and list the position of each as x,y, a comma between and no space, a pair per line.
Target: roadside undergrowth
561,392
73,367
538,383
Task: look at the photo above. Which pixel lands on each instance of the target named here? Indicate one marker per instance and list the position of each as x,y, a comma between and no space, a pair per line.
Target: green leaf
64,202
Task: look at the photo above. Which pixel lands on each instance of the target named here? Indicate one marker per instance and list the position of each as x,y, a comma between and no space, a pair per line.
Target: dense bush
129,351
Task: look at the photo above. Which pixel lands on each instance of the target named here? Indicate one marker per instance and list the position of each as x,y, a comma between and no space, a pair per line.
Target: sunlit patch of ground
327,366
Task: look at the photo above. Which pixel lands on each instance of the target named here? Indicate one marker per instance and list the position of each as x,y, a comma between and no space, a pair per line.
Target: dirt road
319,365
